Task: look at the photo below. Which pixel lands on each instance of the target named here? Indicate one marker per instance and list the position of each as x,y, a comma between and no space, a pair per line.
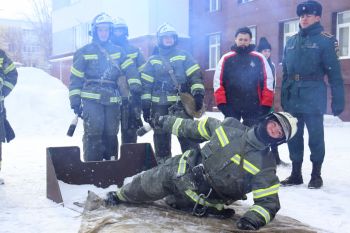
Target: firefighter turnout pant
101,126
172,178
131,122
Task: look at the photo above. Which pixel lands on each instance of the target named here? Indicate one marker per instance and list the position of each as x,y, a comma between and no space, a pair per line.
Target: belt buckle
297,77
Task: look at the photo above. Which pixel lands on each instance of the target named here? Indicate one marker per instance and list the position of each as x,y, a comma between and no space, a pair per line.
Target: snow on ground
38,109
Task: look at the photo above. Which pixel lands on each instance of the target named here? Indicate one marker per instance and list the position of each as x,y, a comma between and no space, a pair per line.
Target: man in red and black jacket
243,81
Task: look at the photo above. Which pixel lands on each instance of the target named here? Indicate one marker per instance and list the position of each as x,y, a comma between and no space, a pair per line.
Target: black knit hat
309,7
263,44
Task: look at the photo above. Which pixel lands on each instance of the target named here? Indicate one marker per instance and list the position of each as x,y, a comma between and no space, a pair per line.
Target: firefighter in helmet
131,105
233,162
168,73
8,80
96,82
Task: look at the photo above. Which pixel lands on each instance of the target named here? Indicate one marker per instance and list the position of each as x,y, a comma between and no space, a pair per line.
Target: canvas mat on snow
159,218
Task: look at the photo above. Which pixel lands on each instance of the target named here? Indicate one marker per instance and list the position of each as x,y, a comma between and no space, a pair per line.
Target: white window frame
294,25
214,50
339,27
244,1
253,29
214,5
81,35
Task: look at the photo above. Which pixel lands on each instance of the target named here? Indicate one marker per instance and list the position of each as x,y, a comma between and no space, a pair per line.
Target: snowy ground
38,109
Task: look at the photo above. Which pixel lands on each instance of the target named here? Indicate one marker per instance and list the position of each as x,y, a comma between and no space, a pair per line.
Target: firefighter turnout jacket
158,86
234,162
8,80
95,72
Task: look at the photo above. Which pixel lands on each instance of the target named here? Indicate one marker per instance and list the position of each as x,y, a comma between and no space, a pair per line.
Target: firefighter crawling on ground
232,163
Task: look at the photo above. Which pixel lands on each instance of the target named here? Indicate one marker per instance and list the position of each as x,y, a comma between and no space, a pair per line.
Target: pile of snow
38,109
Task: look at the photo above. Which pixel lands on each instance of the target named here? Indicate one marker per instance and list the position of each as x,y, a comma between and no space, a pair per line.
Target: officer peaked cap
309,8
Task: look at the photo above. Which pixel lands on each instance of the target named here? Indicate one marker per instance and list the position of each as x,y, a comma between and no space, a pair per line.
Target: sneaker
292,180
316,182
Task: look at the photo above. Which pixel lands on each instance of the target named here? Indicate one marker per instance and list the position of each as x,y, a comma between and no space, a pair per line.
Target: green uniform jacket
8,80
158,87
235,161
94,76
308,56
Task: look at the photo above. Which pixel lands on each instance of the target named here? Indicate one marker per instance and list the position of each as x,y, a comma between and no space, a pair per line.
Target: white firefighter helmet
119,23
288,123
101,18
166,30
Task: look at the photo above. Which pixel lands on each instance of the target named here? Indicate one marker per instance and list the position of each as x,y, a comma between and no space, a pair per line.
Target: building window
343,33
81,35
214,5
244,1
253,30
290,28
214,50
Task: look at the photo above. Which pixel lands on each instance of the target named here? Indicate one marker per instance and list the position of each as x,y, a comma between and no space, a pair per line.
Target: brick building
213,23
206,29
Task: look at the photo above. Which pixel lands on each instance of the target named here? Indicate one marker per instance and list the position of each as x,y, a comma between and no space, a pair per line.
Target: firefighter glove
136,89
78,110
158,120
147,115
198,98
246,224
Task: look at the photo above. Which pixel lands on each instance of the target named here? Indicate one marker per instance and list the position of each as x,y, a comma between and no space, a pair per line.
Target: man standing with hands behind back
308,57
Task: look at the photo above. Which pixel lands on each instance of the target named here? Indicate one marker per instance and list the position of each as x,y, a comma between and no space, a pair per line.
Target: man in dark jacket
243,81
96,84
232,163
308,57
167,74
8,80
131,105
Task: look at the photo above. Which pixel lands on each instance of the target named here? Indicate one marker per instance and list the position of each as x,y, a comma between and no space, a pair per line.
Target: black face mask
119,40
260,131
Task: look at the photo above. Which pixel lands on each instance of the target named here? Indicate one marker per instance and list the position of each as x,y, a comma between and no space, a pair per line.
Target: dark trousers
101,126
314,126
130,122
162,139
249,118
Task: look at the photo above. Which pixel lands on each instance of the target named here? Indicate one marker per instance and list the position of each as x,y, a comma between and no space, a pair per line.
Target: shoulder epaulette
326,34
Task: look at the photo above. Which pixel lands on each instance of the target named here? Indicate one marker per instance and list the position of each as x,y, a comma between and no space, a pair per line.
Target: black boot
316,181
295,178
112,199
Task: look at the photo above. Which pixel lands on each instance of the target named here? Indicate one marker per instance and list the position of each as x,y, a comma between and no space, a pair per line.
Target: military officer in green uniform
308,57
232,163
